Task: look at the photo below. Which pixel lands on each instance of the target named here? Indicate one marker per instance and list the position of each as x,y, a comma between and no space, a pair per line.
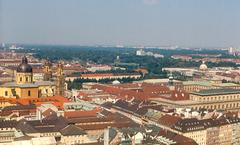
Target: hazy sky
200,23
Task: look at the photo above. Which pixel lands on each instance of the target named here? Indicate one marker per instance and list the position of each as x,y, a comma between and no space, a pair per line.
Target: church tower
47,71
60,80
24,72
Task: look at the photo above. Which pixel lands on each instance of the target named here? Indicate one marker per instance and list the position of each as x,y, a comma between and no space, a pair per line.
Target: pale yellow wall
6,92
227,102
5,104
33,93
199,136
76,139
42,91
47,91
20,92
22,78
225,134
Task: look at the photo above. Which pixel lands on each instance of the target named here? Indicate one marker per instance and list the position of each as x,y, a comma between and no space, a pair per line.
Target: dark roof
72,130
19,107
41,126
25,137
189,124
8,124
193,124
24,67
25,127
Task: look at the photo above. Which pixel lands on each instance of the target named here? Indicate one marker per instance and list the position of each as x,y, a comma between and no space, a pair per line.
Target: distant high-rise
232,51
3,45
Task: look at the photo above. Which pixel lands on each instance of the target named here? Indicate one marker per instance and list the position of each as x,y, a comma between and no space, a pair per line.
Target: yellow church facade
24,86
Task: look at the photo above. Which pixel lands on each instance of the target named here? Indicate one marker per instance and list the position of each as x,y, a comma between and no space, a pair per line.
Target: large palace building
24,86
220,99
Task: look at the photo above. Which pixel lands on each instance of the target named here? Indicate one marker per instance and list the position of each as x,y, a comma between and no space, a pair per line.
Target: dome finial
24,59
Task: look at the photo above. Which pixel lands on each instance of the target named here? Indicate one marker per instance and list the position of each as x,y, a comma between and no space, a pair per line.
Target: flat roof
159,81
210,92
209,83
226,84
27,85
202,83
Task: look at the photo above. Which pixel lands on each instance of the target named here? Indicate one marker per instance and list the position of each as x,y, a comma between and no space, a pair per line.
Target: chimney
106,136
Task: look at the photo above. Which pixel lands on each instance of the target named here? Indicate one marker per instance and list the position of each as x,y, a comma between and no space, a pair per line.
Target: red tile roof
97,75
48,112
55,100
169,120
81,113
142,91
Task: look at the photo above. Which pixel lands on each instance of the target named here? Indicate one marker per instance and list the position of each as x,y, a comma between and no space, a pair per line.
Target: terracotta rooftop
97,75
81,113
169,120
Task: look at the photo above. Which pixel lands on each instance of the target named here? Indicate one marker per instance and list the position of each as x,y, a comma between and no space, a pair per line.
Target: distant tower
60,80
170,82
47,71
117,60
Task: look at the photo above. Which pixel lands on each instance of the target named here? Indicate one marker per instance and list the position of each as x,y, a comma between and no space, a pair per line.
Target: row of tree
77,83
127,57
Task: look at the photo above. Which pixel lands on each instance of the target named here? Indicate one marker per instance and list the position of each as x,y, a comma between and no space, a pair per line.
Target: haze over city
119,72
187,23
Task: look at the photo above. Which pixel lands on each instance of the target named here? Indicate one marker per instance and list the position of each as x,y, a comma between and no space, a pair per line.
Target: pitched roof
71,130
19,107
48,112
81,113
169,120
8,124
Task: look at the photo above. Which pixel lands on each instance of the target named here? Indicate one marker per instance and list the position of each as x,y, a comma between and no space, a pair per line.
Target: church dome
203,66
24,67
116,82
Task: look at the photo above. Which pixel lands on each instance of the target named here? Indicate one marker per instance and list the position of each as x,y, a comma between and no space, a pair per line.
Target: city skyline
137,22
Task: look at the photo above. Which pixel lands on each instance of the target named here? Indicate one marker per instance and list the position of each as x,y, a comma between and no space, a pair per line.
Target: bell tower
60,80
47,71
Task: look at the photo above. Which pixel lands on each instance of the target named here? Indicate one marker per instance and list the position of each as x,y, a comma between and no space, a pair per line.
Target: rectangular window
29,93
6,93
